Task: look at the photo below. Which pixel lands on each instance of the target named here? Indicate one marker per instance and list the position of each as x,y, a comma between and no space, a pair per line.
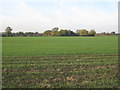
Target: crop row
61,71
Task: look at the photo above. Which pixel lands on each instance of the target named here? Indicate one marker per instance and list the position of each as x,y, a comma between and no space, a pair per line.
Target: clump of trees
62,32
65,32
7,32
92,33
84,32
54,32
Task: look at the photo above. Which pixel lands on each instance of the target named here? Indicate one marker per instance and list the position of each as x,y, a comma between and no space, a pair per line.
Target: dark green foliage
63,32
71,33
113,33
8,31
55,29
66,33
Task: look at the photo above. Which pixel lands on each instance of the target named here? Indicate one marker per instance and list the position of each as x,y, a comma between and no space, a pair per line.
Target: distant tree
55,33
21,33
113,33
63,32
71,33
92,32
78,32
30,33
8,31
55,29
36,33
48,33
83,32
18,34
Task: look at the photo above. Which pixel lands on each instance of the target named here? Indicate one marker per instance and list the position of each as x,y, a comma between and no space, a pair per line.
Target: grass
37,46
60,62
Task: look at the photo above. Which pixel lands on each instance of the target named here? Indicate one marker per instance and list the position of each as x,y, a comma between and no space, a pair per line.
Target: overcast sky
41,15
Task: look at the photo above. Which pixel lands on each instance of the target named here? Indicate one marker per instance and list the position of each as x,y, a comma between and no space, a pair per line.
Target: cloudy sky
41,15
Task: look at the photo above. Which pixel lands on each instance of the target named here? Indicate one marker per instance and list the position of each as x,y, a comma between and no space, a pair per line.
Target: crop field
60,62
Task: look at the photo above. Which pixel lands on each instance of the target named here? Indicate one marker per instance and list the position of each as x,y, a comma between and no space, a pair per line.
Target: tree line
53,32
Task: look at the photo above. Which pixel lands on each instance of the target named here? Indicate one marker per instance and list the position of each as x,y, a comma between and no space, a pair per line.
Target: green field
37,46
54,62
